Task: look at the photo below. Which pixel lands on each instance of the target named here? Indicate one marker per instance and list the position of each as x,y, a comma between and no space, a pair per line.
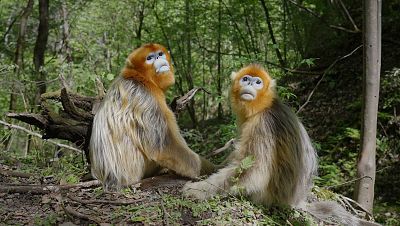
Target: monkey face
251,83
159,61
252,90
249,87
150,64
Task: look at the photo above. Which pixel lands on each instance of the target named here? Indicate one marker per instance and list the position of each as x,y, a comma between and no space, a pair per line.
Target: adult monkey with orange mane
284,158
134,132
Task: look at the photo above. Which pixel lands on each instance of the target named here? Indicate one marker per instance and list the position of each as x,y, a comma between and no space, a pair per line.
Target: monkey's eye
160,53
245,79
258,84
150,58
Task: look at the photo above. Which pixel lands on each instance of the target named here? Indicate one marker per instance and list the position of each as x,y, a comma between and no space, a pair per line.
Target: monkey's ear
233,75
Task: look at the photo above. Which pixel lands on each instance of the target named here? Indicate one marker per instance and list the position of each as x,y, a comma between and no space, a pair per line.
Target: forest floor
153,201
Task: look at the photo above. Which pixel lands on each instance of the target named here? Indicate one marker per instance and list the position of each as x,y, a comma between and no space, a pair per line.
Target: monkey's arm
218,183
177,156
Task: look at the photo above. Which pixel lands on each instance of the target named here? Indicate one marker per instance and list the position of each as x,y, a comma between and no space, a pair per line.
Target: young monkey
284,158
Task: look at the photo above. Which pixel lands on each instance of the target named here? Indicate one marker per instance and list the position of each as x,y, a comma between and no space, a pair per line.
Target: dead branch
11,126
41,189
73,122
356,30
15,173
111,202
165,213
71,109
323,76
225,147
347,182
358,205
179,103
73,213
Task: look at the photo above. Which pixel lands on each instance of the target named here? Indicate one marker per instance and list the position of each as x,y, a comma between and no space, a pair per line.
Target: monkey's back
289,154
128,128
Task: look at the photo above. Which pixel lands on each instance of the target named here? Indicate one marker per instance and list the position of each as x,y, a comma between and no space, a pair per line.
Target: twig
165,217
12,126
111,202
356,203
345,203
101,91
347,182
68,210
219,150
349,16
324,21
40,189
323,76
179,103
15,173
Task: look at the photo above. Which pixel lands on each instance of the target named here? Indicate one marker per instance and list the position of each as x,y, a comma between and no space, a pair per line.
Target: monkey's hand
199,190
207,167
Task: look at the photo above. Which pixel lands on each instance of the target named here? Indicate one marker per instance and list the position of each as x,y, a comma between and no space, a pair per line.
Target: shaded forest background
300,42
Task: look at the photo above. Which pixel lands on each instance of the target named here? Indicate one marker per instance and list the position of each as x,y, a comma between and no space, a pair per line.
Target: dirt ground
24,201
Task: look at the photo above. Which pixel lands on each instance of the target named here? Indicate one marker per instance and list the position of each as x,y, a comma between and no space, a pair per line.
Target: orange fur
265,96
144,73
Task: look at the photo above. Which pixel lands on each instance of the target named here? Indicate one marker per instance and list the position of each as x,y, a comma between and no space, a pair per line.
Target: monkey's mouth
247,96
162,69
161,66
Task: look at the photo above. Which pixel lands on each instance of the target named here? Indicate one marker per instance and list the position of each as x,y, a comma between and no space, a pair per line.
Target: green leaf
138,219
110,77
247,162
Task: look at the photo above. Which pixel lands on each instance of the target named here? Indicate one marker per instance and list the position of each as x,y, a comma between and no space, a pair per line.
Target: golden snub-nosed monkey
284,158
134,132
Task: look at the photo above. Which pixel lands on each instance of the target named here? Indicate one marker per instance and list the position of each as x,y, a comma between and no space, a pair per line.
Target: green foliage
47,220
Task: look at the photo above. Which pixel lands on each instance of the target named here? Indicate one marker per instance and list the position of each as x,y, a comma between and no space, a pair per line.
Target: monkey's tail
326,210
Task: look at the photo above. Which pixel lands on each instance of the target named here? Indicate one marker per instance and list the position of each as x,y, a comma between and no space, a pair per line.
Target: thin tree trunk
285,30
189,79
66,49
19,52
366,168
178,81
107,54
141,19
271,32
18,62
237,28
40,48
219,72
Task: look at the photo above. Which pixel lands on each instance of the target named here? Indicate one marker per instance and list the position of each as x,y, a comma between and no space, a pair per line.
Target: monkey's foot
199,190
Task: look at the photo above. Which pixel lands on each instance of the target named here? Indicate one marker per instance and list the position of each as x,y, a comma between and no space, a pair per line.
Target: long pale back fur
121,133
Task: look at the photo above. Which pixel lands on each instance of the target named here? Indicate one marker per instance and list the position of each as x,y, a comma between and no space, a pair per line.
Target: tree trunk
219,72
40,48
364,190
18,62
141,19
271,33
66,49
19,52
189,79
